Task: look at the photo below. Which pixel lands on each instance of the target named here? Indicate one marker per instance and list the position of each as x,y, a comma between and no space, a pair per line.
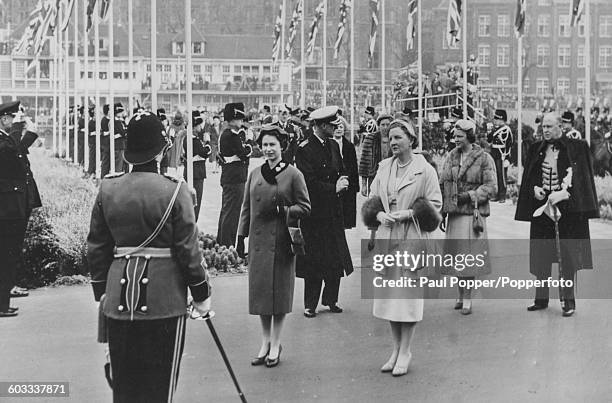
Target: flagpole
154,55
60,90
66,84
96,24
52,77
519,91
188,95
587,71
130,56
464,43
324,54
85,84
420,72
382,57
282,54
75,50
352,70
111,90
303,60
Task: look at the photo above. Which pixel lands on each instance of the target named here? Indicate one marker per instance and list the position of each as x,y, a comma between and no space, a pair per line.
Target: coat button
147,257
16,188
127,257
122,281
145,281
120,308
144,308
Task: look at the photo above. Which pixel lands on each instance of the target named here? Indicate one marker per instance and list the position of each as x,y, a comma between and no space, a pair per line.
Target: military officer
91,140
567,126
141,265
18,196
235,156
82,136
449,127
119,137
292,131
327,256
501,140
105,139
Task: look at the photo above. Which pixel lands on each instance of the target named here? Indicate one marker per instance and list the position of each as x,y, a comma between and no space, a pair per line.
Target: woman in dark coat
274,194
349,168
468,178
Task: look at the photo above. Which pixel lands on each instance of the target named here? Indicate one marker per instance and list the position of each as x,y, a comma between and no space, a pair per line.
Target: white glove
558,196
385,219
539,193
202,307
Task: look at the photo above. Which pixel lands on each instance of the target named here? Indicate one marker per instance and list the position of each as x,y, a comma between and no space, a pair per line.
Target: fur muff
370,208
429,218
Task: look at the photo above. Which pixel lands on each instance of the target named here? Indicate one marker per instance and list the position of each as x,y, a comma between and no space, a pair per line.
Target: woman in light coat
275,196
400,181
467,180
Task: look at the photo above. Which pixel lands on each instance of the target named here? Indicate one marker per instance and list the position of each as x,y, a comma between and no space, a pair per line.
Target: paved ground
499,353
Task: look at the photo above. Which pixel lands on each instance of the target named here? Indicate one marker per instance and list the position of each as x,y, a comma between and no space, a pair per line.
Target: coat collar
384,170
469,160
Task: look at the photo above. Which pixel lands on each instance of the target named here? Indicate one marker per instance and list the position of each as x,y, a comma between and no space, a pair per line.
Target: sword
194,314
559,258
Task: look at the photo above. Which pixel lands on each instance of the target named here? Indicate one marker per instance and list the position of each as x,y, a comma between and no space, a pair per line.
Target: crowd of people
289,217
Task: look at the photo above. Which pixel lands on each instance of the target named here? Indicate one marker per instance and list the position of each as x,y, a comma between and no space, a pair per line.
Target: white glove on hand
539,193
558,196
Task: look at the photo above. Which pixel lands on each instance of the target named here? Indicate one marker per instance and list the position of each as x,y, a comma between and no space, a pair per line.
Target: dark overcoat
575,212
271,262
349,196
327,253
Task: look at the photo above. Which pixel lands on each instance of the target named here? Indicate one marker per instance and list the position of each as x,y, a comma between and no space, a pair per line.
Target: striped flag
411,27
374,6
278,26
49,21
314,27
27,39
341,26
453,23
519,20
293,25
576,10
91,5
104,7
69,6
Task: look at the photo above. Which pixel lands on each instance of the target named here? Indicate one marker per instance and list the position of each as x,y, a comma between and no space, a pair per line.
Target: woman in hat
407,192
468,181
275,197
176,134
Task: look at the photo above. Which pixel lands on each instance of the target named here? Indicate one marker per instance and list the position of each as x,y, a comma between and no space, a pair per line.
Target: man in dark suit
348,158
18,196
91,140
558,185
119,137
327,256
105,139
201,151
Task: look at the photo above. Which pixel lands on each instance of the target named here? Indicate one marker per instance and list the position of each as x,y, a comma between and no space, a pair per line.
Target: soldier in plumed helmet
567,126
501,140
142,262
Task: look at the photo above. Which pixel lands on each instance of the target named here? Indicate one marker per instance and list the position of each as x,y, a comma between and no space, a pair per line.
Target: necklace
403,165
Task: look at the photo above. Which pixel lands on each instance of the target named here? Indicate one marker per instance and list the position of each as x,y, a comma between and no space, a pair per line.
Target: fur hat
369,209
424,212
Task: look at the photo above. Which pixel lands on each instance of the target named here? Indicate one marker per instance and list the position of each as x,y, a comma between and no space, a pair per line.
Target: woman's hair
408,129
468,128
275,131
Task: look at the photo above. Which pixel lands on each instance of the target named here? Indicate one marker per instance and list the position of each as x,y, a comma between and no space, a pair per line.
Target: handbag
298,245
477,220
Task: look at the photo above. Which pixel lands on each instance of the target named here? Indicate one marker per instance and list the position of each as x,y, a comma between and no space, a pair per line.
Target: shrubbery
220,259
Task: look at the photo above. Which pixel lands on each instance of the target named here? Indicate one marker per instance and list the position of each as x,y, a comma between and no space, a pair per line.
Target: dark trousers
81,149
145,358
312,291
231,202
502,174
198,185
105,154
12,234
91,141
120,165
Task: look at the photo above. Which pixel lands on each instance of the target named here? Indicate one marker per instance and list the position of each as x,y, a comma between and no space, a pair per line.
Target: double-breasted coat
271,262
327,253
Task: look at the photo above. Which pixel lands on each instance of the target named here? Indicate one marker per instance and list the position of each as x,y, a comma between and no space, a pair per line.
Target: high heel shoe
272,362
261,360
467,307
401,370
388,366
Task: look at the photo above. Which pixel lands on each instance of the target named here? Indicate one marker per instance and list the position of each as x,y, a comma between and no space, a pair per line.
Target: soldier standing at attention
501,145
143,254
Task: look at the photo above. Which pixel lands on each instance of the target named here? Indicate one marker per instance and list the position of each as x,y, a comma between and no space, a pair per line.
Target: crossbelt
132,251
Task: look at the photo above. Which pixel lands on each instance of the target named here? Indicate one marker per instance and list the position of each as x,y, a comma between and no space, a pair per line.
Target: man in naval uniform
327,256
501,145
558,175
143,254
567,126
235,156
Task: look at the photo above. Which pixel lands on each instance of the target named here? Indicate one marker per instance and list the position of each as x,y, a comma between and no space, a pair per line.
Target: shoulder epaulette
173,178
303,143
114,175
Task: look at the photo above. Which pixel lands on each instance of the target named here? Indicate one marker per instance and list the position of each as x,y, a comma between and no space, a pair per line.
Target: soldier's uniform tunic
501,145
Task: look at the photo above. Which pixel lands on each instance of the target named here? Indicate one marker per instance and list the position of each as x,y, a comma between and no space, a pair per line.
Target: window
605,56
523,56
581,28
483,81
544,25
197,68
484,55
226,68
605,26
503,25
526,84
178,48
167,68
208,68
542,86
564,55
564,26
544,2
238,69
580,86
563,86
543,54
198,48
503,55
484,25
503,81
580,58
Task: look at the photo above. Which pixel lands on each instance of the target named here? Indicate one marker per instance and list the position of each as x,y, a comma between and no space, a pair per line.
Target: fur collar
469,160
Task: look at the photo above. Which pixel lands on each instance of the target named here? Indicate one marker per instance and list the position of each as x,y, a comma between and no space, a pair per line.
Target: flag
32,65
314,27
519,20
576,10
48,22
293,25
278,26
341,26
411,28
91,5
27,39
104,7
374,6
453,23
69,6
